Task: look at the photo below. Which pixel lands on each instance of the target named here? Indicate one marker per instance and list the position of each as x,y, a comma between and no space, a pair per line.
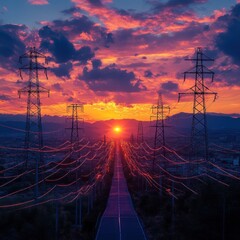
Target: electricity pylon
140,133
75,122
75,141
159,116
199,134
33,134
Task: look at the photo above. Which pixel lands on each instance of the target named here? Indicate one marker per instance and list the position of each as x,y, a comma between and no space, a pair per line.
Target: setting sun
117,129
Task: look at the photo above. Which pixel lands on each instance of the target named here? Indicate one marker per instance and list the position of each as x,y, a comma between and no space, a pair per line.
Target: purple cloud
111,79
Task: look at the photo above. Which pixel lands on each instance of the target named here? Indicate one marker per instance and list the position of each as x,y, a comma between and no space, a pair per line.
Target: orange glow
117,129
141,54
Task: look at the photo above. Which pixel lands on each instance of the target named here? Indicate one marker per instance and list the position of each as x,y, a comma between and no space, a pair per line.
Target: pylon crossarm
157,109
44,90
153,108
29,63
206,59
195,72
180,94
76,106
35,66
32,52
152,118
195,59
199,90
191,70
166,107
32,90
212,93
24,56
207,88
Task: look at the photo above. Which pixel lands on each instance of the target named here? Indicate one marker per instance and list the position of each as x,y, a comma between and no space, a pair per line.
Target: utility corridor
119,221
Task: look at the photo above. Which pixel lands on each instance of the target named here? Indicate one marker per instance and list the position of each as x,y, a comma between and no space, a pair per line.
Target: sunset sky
115,55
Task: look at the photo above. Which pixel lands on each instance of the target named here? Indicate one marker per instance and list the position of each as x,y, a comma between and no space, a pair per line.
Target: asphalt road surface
120,221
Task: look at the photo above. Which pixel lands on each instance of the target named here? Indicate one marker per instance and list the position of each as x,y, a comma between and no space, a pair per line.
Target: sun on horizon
117,129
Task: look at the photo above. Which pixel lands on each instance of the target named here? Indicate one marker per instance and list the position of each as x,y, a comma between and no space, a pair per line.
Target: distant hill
177,124
214,120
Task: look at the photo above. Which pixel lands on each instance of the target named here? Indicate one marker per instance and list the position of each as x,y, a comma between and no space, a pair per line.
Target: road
119,221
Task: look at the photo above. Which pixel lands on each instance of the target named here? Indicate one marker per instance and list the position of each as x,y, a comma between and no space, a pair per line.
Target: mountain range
177,125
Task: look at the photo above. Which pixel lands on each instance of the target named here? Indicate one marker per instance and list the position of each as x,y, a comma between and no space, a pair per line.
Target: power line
75,124
199,134
75,127
159,114
33,135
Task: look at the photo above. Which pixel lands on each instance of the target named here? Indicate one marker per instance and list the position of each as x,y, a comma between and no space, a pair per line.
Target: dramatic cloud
71,10
96,63
169,86
150,43
73,26
63,70
56,43
10,43
57,87
111,79
97,3
108,39
109,17
228,41
108,49
148,74
174,4
61,48
84,54
227,75
4,97
169,90
82,28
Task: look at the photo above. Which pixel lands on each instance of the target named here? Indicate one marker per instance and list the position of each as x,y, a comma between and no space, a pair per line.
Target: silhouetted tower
33,136
75,127
75,122
159,116
199,134
140,133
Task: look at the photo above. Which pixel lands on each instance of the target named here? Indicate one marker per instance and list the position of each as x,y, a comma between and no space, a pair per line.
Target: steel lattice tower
159,116
199,134
140,133
74,141
33,135
75,122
